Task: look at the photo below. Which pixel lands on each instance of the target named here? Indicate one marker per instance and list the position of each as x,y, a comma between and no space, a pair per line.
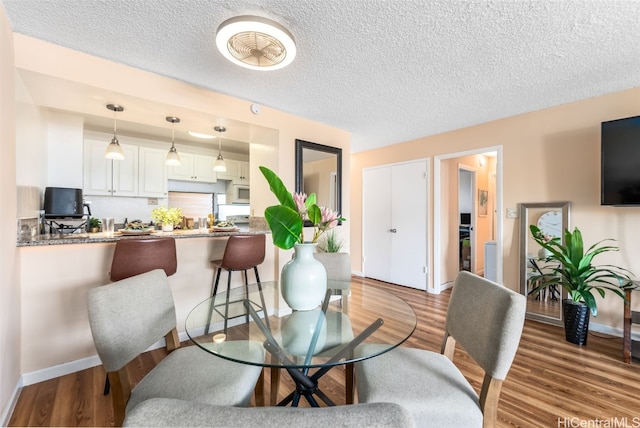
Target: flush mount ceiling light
219,164
256,43
173,158
114,151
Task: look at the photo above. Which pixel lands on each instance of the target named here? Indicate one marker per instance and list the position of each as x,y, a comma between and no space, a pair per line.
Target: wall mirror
319,171
552,218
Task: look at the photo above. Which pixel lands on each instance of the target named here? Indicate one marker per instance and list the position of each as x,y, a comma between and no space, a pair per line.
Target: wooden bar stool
135,256
243,252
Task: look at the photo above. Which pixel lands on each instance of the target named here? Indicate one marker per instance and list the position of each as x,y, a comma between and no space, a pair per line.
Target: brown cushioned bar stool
243,252
135,256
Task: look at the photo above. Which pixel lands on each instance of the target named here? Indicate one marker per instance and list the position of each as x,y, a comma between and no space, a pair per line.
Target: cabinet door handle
392,230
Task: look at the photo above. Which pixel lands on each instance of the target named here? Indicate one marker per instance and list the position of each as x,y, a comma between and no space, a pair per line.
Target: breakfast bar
57,272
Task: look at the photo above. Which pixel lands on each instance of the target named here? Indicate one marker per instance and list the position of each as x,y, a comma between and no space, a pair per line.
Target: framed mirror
319,171
552,218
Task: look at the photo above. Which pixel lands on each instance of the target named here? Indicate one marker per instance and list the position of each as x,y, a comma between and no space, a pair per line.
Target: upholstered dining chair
486,319
338,266
129,316
135,256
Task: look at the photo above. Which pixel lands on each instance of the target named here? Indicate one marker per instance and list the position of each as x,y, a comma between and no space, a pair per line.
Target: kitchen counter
89,238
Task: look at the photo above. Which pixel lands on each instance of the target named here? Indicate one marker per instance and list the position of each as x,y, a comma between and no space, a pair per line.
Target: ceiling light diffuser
199,135
256,43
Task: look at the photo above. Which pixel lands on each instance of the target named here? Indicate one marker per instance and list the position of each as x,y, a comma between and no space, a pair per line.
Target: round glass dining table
238,324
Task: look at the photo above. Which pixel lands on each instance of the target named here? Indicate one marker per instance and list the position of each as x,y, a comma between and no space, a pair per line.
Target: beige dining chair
486,319
135,256
129,316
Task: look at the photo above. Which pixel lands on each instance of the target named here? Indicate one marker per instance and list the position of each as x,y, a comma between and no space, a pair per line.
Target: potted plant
330,244
574,271
167,217
304,279
94,225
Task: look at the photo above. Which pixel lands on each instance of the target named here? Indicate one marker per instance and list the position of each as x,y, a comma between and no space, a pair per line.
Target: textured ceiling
387,71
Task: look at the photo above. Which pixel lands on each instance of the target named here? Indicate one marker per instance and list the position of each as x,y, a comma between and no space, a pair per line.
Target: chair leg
214,291
246,290
226,306
262,302
107,386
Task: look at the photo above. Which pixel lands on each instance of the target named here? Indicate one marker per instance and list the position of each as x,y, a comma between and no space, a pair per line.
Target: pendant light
219,165
114,151
173,159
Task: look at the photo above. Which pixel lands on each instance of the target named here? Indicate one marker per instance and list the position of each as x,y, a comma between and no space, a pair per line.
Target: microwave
238,194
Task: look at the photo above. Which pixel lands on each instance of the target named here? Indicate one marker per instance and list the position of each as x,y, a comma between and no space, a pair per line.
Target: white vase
303,282
167,228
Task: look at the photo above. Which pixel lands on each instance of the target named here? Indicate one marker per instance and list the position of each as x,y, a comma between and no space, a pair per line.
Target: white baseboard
360,274
59,370
11,404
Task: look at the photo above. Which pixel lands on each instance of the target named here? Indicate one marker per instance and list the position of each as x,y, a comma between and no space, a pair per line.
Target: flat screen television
620,162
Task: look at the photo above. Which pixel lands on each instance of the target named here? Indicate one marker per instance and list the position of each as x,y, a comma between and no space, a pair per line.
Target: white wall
64,150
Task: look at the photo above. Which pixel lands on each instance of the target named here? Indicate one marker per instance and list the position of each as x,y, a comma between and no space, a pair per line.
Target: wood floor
551,384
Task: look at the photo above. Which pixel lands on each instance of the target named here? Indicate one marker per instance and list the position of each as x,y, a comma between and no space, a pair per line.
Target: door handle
392,230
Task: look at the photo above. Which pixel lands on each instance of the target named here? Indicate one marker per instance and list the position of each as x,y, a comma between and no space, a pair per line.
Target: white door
409,225
395,224
376,192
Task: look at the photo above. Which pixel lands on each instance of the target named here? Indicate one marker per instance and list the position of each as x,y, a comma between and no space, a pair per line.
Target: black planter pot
576,321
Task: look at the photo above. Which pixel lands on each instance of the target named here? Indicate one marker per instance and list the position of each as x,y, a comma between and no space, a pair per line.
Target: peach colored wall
9,279
548,155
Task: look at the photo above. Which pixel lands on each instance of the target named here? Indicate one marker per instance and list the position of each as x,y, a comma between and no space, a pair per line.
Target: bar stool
135,256
243,252
132,257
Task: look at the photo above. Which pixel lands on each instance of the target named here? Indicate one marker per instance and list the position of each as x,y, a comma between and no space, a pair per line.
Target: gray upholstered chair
129,316
162,412
338,266
486,319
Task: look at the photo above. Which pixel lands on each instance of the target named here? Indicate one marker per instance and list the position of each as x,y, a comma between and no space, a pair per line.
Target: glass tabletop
352,315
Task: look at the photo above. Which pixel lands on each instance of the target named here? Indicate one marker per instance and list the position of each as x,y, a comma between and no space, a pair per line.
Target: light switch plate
512,213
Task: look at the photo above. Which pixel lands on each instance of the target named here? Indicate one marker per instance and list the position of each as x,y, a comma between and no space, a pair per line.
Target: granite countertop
90,238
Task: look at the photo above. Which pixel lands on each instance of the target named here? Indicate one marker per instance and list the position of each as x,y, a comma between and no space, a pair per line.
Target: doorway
487,224
467,215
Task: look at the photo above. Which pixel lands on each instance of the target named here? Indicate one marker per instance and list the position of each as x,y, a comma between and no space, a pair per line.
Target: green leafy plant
331,243
286,220
165,216
575,271
94,222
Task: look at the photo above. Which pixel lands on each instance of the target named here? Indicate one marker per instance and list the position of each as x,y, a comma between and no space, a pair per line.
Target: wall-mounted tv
620,162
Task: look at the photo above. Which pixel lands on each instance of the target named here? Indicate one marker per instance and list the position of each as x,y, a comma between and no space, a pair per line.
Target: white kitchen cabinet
109,177
237,171
194,168
152,173
395,223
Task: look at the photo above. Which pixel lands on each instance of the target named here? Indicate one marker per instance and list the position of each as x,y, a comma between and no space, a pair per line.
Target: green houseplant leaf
286,220
575,271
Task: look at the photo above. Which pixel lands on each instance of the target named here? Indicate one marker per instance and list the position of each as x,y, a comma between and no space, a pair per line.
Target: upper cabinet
142,172
108,177
237,171
194,168
152,172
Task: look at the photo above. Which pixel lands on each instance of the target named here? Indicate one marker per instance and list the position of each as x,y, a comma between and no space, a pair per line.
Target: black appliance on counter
64,210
